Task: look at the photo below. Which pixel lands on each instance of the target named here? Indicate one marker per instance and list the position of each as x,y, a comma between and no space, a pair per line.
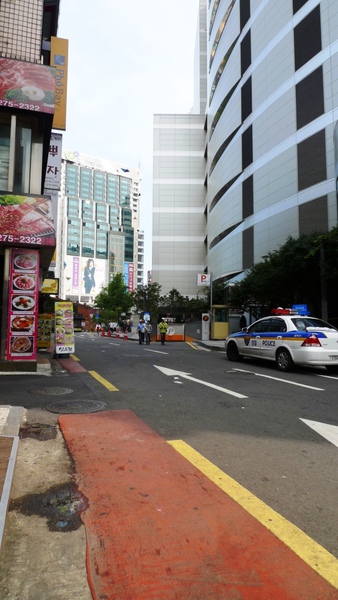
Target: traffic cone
109,333
125,337
103,333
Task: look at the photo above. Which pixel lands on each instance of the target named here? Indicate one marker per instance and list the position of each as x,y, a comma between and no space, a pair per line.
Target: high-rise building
32,60
98,226
264,166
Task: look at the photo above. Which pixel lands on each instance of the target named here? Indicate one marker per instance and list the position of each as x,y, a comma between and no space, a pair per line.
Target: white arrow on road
329,432
172,373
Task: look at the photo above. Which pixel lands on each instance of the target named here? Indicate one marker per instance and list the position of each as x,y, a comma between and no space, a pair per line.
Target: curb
10,422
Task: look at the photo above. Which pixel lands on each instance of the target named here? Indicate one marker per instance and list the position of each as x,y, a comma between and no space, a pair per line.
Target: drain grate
76,406
51,391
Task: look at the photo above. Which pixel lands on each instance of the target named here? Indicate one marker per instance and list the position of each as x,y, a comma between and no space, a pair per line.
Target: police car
289,339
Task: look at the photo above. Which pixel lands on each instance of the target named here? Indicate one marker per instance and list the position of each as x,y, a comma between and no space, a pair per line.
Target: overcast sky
127,61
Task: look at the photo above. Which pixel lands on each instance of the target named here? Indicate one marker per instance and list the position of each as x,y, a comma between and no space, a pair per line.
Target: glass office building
98,226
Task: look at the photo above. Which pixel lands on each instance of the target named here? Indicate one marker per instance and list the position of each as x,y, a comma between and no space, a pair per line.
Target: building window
244,11
246,95
313,216
246,53
247,150
247,197
311,154
307,38
297,5
310,98
248,248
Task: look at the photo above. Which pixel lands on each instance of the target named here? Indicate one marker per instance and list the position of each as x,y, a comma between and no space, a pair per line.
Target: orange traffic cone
103,333
125,337
109,333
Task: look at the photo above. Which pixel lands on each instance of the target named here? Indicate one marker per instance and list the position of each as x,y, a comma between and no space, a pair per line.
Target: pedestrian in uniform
148,329
140,331
163,327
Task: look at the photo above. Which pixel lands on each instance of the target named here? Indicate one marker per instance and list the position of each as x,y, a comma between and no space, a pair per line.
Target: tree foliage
294,274
147,299
114,299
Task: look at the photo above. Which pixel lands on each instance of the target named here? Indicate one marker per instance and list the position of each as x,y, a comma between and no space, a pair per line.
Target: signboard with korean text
27,86
23,291
64,328
26,220
59,59
50,286
44,330
53,171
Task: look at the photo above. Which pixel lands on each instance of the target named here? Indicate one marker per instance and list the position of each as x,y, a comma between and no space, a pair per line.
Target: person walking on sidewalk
163,327
148,329
140,331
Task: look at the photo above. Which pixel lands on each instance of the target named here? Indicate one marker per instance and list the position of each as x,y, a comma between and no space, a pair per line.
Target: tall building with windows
98,233
29,110
267,140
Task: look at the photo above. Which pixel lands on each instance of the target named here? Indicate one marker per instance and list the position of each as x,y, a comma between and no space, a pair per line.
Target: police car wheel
232,352
284,360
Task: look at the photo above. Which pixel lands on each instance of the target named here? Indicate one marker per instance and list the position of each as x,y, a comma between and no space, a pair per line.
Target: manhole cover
76,406
51,391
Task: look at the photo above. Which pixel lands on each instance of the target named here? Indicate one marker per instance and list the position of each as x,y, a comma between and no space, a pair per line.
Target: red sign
26,220
27,86
23,304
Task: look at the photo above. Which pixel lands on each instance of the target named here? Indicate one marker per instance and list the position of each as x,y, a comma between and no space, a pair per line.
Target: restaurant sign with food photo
23,304
26,220
64,328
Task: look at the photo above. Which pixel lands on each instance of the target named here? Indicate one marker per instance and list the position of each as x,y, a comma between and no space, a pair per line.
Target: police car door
253,339
272,337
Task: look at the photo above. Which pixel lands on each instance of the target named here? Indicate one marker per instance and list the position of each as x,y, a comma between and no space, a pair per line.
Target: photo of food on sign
21,345
24,282
25,219
23,303
27,86
24,323
25,262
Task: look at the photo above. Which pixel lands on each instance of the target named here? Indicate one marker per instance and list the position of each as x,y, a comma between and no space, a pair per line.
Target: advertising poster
53,171
64,328
23,304
27,86
44,330
26,220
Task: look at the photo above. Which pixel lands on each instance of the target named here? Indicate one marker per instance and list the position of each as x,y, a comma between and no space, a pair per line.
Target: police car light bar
290,311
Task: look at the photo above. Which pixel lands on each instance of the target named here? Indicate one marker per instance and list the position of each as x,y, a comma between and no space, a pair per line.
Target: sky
128,60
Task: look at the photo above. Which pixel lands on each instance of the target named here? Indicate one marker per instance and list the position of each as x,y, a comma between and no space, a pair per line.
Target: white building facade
98,227
269,165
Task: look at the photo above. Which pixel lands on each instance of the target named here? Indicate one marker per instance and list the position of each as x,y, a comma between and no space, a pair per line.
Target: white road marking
156,351
310,387
172,373
329,432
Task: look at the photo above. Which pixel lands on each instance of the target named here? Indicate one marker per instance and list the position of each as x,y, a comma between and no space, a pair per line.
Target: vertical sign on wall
23,304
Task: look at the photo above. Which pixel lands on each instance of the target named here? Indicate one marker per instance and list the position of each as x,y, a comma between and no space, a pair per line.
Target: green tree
114,299
297,273
147,298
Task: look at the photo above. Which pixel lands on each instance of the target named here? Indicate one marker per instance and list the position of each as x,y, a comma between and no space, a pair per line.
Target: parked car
287,340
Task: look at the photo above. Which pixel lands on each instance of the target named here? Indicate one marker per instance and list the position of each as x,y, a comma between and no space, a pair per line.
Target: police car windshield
303,323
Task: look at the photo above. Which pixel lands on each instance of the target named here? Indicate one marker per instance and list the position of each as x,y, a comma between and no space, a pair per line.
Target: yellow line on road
314,555
191,345
104,382
74,357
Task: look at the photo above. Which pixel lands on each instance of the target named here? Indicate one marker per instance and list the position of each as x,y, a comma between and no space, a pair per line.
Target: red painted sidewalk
158,529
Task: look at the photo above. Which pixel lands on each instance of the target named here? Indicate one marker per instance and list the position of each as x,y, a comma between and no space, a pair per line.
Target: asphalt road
246,418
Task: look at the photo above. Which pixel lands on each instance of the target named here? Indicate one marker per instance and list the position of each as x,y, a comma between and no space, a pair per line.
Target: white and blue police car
287,338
